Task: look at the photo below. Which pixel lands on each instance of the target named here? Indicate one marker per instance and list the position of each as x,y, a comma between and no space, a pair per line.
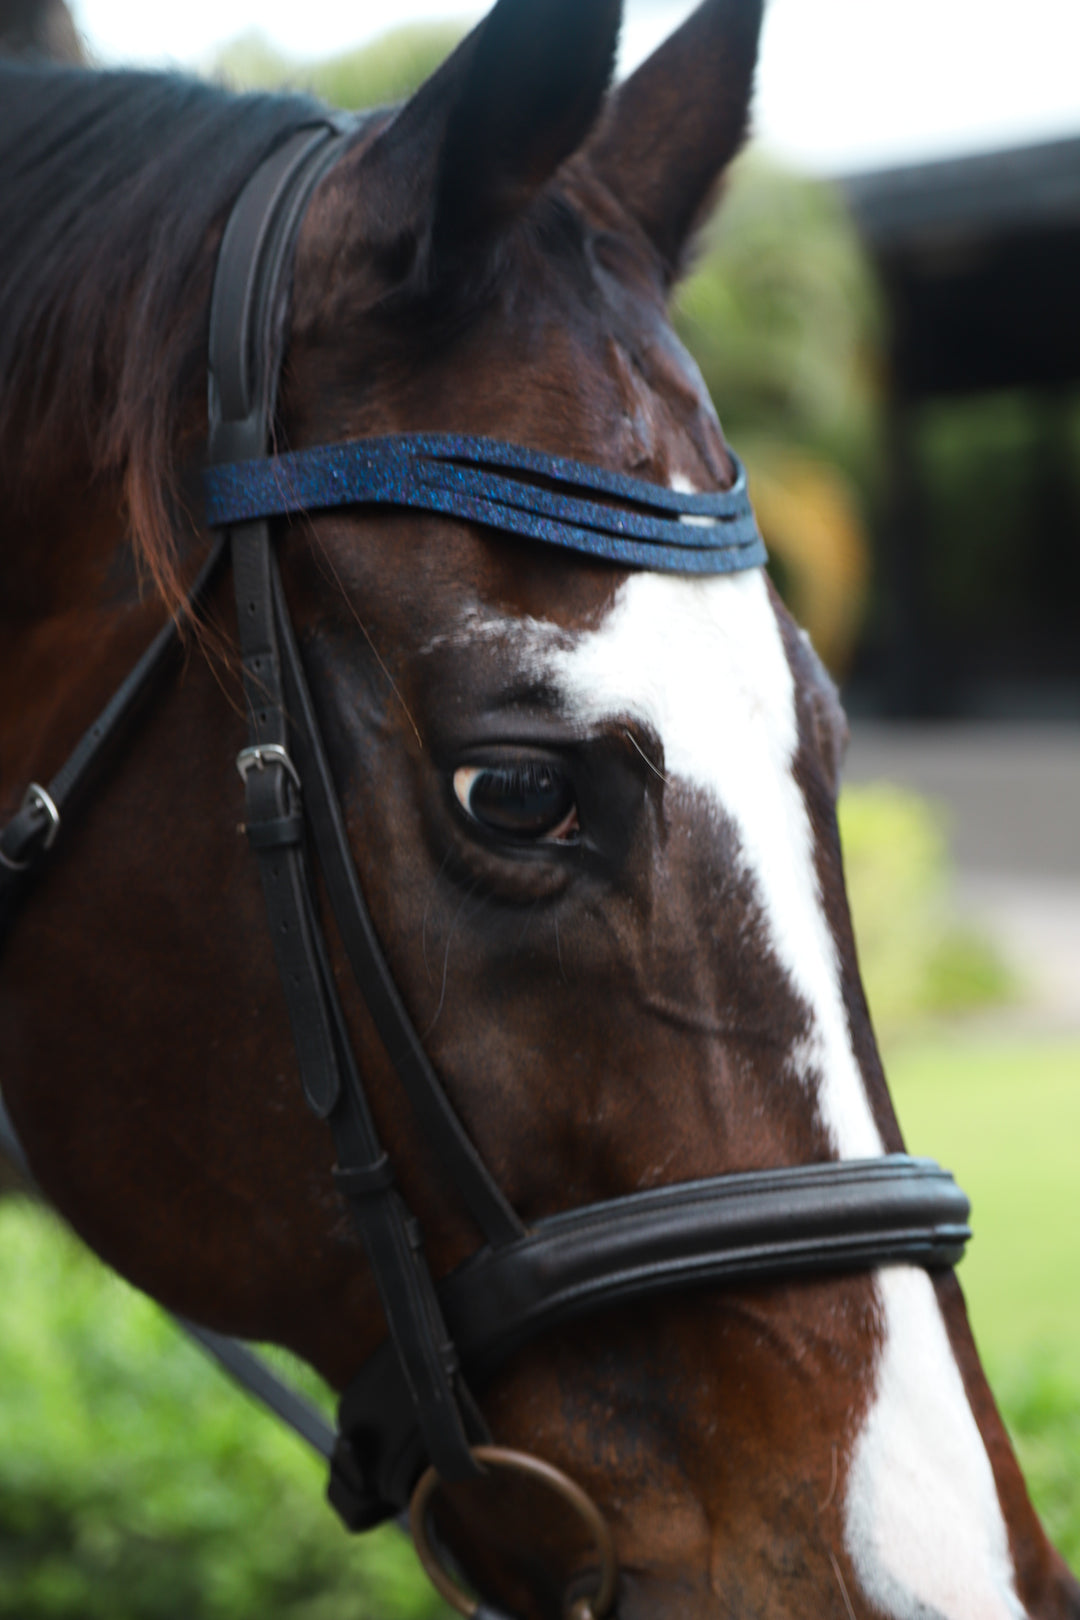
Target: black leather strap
328,1072
251,289
32,831
838,1216
493,1215
724,1231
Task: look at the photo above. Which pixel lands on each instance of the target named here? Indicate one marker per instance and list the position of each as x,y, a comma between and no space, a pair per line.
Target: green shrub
137,1484
916,957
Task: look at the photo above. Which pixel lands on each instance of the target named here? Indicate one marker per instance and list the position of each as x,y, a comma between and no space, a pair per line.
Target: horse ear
481,137
674,125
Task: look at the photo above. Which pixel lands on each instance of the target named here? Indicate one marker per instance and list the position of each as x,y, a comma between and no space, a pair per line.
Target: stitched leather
276,834
755,1227
246,322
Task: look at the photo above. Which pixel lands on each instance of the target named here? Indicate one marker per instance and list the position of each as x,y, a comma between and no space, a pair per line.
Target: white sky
844,84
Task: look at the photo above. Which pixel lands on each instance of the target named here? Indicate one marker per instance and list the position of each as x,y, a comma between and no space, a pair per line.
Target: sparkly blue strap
506,487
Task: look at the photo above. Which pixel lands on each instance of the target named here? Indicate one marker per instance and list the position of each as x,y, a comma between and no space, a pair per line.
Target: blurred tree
383,71
783,316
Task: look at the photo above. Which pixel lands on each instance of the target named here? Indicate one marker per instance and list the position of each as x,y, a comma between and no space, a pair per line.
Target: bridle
410,1405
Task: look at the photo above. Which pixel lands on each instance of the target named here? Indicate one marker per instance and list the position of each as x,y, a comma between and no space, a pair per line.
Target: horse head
593,813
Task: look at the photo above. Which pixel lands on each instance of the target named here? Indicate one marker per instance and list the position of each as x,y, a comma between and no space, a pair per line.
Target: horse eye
529,800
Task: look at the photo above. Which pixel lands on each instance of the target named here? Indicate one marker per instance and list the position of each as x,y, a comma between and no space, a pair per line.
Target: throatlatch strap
33,830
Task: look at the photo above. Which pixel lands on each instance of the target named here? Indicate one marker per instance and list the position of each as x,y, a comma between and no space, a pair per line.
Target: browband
506,487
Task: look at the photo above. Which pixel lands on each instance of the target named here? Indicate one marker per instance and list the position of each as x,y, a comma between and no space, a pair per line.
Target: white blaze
703,664
923,1524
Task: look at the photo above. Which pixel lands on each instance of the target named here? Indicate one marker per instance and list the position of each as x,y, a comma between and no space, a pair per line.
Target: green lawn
1004,1115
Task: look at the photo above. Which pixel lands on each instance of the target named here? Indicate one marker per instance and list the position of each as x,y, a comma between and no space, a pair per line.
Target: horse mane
114,188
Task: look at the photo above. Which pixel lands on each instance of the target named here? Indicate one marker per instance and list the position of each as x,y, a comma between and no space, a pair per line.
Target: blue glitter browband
506,487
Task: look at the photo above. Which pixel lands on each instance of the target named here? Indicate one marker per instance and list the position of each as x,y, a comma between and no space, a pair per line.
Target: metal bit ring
518,1462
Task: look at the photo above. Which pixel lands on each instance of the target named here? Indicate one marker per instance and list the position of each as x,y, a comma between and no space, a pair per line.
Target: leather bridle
410,1405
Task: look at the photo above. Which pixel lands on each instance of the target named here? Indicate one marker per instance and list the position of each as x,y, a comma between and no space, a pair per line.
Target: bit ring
518,1462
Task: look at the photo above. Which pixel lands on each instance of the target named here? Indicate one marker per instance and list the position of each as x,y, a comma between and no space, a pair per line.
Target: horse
592,808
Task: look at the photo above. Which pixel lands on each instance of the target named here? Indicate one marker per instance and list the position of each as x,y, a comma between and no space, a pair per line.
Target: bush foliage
384,71
137,1484
917,958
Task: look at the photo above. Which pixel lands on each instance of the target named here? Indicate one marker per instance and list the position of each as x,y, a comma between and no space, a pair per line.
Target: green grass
1004,1115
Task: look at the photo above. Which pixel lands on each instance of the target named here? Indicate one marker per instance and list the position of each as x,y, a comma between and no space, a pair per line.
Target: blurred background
886,312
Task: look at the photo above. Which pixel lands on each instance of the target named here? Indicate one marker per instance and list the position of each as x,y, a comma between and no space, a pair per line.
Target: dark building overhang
980,258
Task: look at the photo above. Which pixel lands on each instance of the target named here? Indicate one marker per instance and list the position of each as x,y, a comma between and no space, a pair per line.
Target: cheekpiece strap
552,499
247,326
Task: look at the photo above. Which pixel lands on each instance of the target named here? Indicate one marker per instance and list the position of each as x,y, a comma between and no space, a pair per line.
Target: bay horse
592,807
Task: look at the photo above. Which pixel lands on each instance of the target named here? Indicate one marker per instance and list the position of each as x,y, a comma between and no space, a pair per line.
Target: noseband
410,1405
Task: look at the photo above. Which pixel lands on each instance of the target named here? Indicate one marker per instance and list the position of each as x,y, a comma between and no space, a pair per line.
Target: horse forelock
114,188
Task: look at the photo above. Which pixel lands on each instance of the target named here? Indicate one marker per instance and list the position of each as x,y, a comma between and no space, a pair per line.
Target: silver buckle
258,758
36,794
43,799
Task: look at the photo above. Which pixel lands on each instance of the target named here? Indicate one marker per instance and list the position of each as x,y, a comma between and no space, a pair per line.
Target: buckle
43,799
264,755
35,798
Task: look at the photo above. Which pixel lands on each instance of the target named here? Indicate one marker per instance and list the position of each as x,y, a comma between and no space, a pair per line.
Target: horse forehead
701,662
